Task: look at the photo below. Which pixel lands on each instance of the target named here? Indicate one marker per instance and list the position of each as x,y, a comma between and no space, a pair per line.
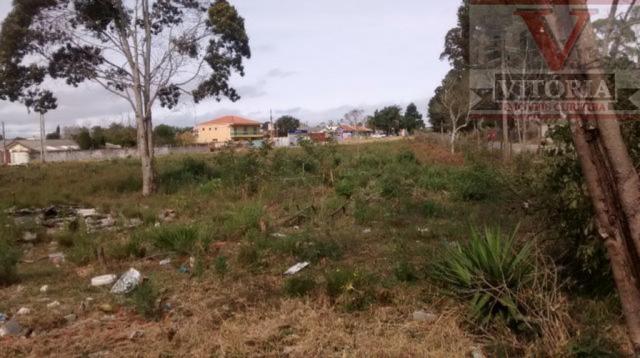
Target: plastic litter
165,262
103,280
296,268
127,282
57,258
3,317
87,212
11,328
44,288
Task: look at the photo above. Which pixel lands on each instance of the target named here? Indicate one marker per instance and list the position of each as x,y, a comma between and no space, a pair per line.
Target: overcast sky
312,59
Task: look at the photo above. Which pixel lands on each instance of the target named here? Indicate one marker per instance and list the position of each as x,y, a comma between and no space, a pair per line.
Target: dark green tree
147,52
412,119
286,124
165,135
388,119
54,135
84,140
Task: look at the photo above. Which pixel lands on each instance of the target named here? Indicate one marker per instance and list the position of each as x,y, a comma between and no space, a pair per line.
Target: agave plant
489,271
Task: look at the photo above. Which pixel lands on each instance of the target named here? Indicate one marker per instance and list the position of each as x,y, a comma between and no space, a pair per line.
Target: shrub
489,271
249,256
405,272
83,250
477,183
189,171
431,209
9,257
246,218
354,290
221,265
299,286
179,238
145,300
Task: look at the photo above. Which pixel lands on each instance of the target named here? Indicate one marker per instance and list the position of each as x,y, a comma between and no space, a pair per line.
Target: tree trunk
614,187
452,140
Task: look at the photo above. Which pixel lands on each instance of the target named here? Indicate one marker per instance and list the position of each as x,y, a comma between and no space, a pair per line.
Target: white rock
57,258
44,289
103,280
23,311
296,268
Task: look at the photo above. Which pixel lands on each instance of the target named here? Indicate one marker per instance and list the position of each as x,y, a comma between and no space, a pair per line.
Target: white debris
127,282
85,213
279,235
366,231
57,258
44,289
296,268
192,262
11,328
165,262
23,311
423,230
28,236
54,304
103,280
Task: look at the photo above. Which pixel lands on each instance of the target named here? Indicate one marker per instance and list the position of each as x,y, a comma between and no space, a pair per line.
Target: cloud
278,73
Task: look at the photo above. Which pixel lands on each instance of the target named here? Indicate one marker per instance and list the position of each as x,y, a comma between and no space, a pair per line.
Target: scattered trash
366,231
44,289
192,262
135,222
168,215
29,236
165,262
57,258
296,268
477,353
106,308
70,318
127,282
183,269
3,317
526,205
136,334
423,316
54,304
23,311
103,280
11,328
279,235
85,213
423,230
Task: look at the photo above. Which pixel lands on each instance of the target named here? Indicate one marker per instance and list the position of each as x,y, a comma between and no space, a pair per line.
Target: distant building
345,131
23,151
228,129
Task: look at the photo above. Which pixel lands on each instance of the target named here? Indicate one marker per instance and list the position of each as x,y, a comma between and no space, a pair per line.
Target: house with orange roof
228,129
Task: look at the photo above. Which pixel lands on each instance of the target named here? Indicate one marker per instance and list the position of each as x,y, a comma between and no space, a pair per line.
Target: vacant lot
371,220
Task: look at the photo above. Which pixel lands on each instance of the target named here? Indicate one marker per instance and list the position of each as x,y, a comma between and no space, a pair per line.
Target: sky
315,60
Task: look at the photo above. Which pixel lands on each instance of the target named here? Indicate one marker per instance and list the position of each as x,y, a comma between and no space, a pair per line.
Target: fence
107,154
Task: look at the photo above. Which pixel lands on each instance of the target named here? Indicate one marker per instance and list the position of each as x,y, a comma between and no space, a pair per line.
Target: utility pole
43,149
273,128
4,146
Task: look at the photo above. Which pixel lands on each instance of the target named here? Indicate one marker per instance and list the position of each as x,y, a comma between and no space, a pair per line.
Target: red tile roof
231,120
348,128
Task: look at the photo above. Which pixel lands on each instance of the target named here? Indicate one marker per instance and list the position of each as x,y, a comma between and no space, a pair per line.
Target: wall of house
213,133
